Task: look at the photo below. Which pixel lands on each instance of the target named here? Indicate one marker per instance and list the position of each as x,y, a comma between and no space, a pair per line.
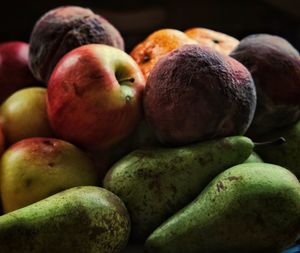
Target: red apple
14,70
94,96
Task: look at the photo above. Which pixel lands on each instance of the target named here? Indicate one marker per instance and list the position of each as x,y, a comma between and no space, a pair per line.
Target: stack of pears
154,183
214,196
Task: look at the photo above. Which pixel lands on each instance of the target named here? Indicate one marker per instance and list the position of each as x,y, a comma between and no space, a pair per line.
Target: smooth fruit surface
94,96
24,115
254,158
35,168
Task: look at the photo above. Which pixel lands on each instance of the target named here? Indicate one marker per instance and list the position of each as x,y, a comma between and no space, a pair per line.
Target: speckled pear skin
85,219
275,67
62,29
195,93
154,183
249,208
286,154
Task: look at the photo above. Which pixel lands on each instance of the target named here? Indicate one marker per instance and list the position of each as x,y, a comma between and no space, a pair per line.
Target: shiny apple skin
94,96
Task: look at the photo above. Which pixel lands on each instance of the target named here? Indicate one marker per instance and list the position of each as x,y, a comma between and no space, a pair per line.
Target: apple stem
275,142
128,79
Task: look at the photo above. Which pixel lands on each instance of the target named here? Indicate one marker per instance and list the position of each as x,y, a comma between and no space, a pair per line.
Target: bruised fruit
84,219
35,168
14,70
23,115
275,67
156,45
195,93
221,42
63,29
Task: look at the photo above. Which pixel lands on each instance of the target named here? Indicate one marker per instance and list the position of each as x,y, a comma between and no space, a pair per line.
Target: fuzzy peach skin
195,93
62,29
275,67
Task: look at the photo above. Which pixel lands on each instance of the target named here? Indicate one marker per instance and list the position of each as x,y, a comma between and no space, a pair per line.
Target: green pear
249,208
154,183
85,219
286,154
254,158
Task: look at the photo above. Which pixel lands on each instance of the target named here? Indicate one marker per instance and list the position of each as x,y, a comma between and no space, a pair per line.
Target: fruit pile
190,143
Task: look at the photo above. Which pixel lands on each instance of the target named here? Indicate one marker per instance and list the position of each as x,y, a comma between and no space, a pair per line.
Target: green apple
24,115
35,168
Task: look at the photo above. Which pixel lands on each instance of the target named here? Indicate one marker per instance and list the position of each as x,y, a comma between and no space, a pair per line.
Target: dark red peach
195,93
63,29
275,67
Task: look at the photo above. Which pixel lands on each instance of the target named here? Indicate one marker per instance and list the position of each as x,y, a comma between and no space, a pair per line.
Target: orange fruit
156,45
221,42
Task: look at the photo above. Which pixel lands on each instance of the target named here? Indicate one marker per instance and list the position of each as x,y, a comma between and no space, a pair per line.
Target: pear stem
275,142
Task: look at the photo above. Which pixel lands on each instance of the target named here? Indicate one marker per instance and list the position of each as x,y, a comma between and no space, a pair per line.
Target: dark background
136,19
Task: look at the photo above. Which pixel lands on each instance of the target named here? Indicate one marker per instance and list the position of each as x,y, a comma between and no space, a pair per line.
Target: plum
62,29
275,67
195,93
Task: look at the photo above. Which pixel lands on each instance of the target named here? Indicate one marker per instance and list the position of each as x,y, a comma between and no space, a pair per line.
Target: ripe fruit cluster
99,145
